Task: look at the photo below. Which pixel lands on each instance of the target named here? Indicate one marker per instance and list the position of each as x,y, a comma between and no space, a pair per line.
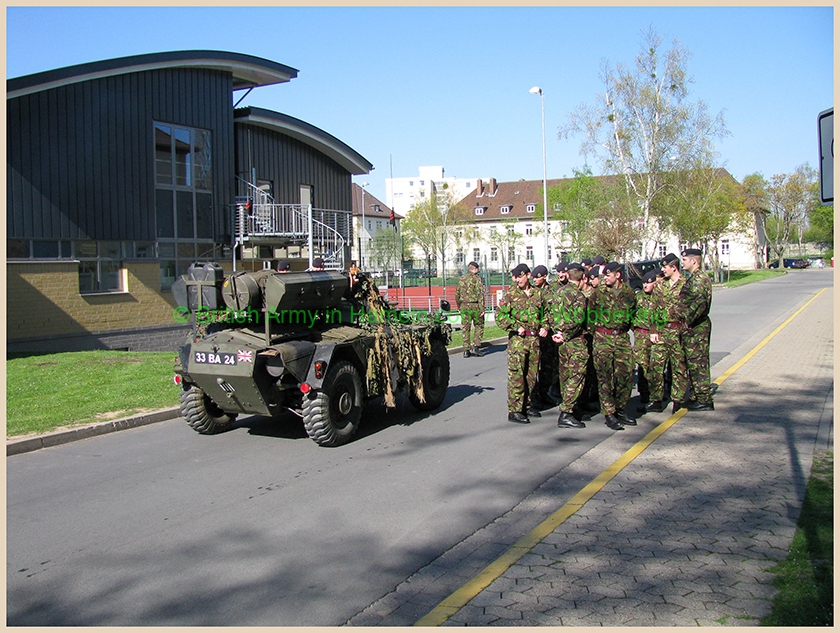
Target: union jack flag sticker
245,356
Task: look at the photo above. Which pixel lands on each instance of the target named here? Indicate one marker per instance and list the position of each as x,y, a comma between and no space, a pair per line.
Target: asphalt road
158,525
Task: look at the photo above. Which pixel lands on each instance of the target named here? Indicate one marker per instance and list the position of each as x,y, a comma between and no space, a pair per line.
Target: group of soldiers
570,338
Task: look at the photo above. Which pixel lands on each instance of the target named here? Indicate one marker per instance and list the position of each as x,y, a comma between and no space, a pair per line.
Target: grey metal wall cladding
290,163
81,161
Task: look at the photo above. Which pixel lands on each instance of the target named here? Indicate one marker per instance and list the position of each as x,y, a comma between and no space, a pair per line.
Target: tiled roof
517,195
370,201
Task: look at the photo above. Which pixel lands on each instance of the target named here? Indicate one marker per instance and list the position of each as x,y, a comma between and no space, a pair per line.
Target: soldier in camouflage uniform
667,351
695,303
611,311
522,314
469,297
589,397
547,377
567,319
642,325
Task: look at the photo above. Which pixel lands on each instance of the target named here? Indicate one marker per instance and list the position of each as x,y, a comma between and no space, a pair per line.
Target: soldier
666,354
522,314
469,297
589,397
642,325
611,311
547,377
283,266
562,275
317,264
695,303
567,318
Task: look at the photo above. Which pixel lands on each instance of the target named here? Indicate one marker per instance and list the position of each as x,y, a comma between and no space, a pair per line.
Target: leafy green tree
385,249
821,231
505,241
791,198
643,126
757,203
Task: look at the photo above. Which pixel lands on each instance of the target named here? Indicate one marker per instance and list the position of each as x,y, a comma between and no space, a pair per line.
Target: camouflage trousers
472,322
642,357
547,374
572,360
695,343
668,351
613,359
590,384
523,364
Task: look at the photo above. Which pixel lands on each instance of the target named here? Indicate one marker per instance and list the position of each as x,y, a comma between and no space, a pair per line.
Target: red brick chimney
491,187
479,188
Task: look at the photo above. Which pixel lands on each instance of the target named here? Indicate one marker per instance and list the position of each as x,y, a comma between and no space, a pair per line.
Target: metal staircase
257,219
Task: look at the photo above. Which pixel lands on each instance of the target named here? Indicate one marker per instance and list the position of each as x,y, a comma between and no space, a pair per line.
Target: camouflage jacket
644,317
470,290
519,309
567,314
611,308
696,298
666,301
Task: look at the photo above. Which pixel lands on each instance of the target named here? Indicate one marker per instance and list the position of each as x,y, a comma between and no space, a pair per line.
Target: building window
510,230
505,209
511,253
530,208
410,183
476,254
529,230
459,256
183,197
100,266
724,247
549,254
479,210
662,250
494,254
529,253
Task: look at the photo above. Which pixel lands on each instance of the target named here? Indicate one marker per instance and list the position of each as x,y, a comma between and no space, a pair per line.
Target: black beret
651,276
586,261
562,267
318,262
473,264
612,266
670,259
594,272
598,261
576,266
519,270
283,264
692,251
539,271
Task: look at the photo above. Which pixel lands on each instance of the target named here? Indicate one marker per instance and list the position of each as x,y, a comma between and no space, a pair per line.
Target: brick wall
44,308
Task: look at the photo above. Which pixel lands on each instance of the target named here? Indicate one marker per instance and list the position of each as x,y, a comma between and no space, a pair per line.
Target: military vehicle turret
319,344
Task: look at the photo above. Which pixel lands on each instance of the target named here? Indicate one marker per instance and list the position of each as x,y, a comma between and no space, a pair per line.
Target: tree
791,197
505,242
386,249
821,231
575,205
643,127
431,224
756,203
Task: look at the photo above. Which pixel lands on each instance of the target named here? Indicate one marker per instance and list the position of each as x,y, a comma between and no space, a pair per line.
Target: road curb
34,443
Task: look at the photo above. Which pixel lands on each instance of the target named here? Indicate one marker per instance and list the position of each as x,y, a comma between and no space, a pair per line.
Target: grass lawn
490,332
806,578
741,277
50,391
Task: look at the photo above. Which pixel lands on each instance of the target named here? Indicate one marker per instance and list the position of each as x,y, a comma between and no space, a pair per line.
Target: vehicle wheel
435,378
202,414
331,417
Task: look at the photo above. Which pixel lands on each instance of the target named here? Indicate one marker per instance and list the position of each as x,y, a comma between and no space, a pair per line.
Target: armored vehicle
319,344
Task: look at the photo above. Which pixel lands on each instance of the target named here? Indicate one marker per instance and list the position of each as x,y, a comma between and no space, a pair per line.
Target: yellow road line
450,605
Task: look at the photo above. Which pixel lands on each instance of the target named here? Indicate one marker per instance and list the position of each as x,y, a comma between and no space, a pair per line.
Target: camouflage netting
399,347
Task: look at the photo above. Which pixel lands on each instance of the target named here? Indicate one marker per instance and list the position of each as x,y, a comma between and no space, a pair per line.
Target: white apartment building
403,193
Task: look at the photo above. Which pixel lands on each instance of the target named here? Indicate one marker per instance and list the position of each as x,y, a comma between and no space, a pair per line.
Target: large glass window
184,197
100,266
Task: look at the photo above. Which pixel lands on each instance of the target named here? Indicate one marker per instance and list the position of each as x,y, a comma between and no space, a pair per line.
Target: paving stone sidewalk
684,535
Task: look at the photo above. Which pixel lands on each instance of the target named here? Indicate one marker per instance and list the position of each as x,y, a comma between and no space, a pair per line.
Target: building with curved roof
121,173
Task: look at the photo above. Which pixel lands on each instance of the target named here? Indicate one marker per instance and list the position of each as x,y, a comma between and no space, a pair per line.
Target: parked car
637,270
790,262
816,262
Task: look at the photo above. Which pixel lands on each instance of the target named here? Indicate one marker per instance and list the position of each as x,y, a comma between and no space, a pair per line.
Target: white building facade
403,193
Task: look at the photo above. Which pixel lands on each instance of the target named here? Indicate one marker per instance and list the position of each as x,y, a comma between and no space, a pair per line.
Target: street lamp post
361,256
536,90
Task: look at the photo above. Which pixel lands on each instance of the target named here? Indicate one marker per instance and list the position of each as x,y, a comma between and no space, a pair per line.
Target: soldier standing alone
469,297
695,303
522,314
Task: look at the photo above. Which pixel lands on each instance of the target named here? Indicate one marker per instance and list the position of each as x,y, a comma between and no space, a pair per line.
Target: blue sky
412,86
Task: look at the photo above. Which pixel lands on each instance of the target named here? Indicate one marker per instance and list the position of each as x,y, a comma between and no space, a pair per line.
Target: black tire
435,378
202,414
331,417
